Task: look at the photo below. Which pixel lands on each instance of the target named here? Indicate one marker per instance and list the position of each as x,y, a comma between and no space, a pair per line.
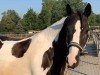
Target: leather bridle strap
75,45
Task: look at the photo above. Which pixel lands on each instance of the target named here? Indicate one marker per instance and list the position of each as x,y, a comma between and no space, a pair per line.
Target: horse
49,50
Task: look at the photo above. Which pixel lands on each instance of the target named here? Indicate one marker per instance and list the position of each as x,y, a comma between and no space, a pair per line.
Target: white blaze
76,35
74,50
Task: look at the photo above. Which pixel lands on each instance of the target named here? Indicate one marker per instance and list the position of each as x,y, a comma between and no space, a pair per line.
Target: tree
19,27
98,19
57,11
92,20
77,5
9,20
45,15
30,20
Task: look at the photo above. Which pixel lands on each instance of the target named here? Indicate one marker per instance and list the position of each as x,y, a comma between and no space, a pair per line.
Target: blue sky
21,6
95,5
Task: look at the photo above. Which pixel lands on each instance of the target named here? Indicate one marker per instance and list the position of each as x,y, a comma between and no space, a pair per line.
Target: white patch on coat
5,54
6,51
74,50
76,35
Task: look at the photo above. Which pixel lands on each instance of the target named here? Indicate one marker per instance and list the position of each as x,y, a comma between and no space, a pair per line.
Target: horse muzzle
77,56
75,64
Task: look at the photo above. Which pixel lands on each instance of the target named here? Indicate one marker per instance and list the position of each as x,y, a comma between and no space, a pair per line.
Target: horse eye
82,28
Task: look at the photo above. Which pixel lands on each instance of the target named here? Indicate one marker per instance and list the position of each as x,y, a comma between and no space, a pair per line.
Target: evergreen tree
77,5
98,19
30,20
19,28
9,20
45,15
92,20
57,11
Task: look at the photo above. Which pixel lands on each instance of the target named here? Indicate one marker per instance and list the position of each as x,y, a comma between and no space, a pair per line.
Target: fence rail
96,39
17,36
20,36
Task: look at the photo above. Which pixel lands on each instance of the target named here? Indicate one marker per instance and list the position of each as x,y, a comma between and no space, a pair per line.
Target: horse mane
59,46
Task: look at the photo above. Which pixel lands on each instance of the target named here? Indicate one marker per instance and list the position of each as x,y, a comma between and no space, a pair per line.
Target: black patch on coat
20,48
47,58
1,44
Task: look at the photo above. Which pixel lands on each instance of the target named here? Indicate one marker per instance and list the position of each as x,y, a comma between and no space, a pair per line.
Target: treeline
52,11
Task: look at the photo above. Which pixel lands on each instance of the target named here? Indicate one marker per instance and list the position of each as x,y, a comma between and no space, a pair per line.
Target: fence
17,36
96,39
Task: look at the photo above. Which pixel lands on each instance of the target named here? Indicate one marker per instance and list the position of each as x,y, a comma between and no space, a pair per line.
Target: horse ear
69,10
88,10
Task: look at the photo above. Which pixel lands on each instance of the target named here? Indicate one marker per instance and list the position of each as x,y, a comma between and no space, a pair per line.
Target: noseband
77,57
75,45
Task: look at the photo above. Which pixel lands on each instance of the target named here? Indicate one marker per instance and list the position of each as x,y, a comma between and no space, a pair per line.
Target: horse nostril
67,59
73,66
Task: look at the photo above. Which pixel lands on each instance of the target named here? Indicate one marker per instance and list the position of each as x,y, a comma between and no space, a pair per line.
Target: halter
77,57
75,45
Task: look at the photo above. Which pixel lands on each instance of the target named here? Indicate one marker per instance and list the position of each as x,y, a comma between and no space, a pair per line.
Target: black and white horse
47,52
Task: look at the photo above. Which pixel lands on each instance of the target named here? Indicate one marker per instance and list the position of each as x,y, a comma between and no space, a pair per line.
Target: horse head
77,33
